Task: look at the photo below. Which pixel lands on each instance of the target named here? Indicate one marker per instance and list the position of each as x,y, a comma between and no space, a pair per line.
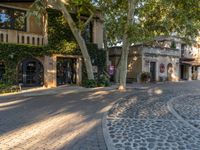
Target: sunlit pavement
72,121
56,121
164,117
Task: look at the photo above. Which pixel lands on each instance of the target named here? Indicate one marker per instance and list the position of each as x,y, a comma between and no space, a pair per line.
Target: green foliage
61,41
151,18
145,77
173,45
7,88
98,58
12,54
60,37
90,83
103,81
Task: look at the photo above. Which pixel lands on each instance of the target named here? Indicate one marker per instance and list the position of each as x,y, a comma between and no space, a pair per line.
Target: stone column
79,71
190,73
12,36
50,71
198,73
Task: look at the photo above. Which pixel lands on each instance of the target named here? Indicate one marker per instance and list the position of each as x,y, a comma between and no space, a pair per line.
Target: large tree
67,8
134,21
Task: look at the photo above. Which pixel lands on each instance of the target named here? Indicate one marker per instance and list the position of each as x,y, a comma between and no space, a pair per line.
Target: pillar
50,71
190,73
198,73
12,36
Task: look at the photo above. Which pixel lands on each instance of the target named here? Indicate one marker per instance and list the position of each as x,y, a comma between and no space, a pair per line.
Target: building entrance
66,71
31,72
153,71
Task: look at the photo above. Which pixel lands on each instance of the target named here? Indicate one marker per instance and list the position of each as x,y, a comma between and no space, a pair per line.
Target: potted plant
145,77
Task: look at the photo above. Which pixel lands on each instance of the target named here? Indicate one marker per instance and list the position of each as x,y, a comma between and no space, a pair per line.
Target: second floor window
87,34
12,19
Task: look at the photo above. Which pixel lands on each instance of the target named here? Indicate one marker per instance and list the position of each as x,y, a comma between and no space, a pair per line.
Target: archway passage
2,71
31,72
169,72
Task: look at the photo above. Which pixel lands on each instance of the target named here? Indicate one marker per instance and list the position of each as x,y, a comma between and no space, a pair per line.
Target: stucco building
166,58
48,71
162,63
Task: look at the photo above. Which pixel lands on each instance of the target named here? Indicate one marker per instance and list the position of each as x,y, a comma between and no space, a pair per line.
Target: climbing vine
12,54
60,41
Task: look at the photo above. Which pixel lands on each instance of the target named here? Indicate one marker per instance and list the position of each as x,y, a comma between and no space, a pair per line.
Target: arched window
31,72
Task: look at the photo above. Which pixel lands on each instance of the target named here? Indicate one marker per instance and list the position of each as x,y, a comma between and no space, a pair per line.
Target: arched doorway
169,71
31,72
2,71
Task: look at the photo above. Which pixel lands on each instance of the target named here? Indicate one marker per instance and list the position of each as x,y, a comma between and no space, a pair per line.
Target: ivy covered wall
12,54
60,41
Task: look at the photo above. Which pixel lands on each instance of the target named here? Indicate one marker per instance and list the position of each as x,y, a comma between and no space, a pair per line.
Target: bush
103,81
145,77
89,83
7,88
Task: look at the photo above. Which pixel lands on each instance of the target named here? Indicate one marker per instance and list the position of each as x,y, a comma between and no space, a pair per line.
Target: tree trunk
106,48
126,44
123,63
80,41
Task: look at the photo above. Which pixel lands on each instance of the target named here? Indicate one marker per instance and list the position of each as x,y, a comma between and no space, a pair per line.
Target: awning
192,63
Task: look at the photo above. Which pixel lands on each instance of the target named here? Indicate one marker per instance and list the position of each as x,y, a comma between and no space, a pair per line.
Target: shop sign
111,70
162,68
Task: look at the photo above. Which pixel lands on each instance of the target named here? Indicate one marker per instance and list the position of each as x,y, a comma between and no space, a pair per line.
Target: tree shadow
52,118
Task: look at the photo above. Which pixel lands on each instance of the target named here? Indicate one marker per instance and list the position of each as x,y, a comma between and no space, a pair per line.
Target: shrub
7,88
103,81
89,83
145,77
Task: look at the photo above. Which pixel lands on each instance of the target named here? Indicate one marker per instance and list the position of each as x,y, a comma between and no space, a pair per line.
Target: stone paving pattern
144,122
55,122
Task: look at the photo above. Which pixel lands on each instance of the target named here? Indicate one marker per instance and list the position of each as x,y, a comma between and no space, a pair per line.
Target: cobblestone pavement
164,117
55,122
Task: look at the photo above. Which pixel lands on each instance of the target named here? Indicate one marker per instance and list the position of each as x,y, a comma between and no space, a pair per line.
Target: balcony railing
3,36
18,37
190,53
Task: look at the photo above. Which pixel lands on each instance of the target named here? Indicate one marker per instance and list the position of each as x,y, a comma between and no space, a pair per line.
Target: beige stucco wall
162,60
50,68
144,56
134,68
98,33
161,56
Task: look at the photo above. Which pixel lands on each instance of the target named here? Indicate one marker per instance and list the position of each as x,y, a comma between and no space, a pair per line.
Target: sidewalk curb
55,91
179,117
106,136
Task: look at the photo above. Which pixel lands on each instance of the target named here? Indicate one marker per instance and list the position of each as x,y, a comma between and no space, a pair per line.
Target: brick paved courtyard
73,121
55,121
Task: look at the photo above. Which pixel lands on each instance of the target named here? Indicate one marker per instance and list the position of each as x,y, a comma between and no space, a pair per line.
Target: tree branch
89,19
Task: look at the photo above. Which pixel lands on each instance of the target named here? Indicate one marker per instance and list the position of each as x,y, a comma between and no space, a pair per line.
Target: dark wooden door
153,71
